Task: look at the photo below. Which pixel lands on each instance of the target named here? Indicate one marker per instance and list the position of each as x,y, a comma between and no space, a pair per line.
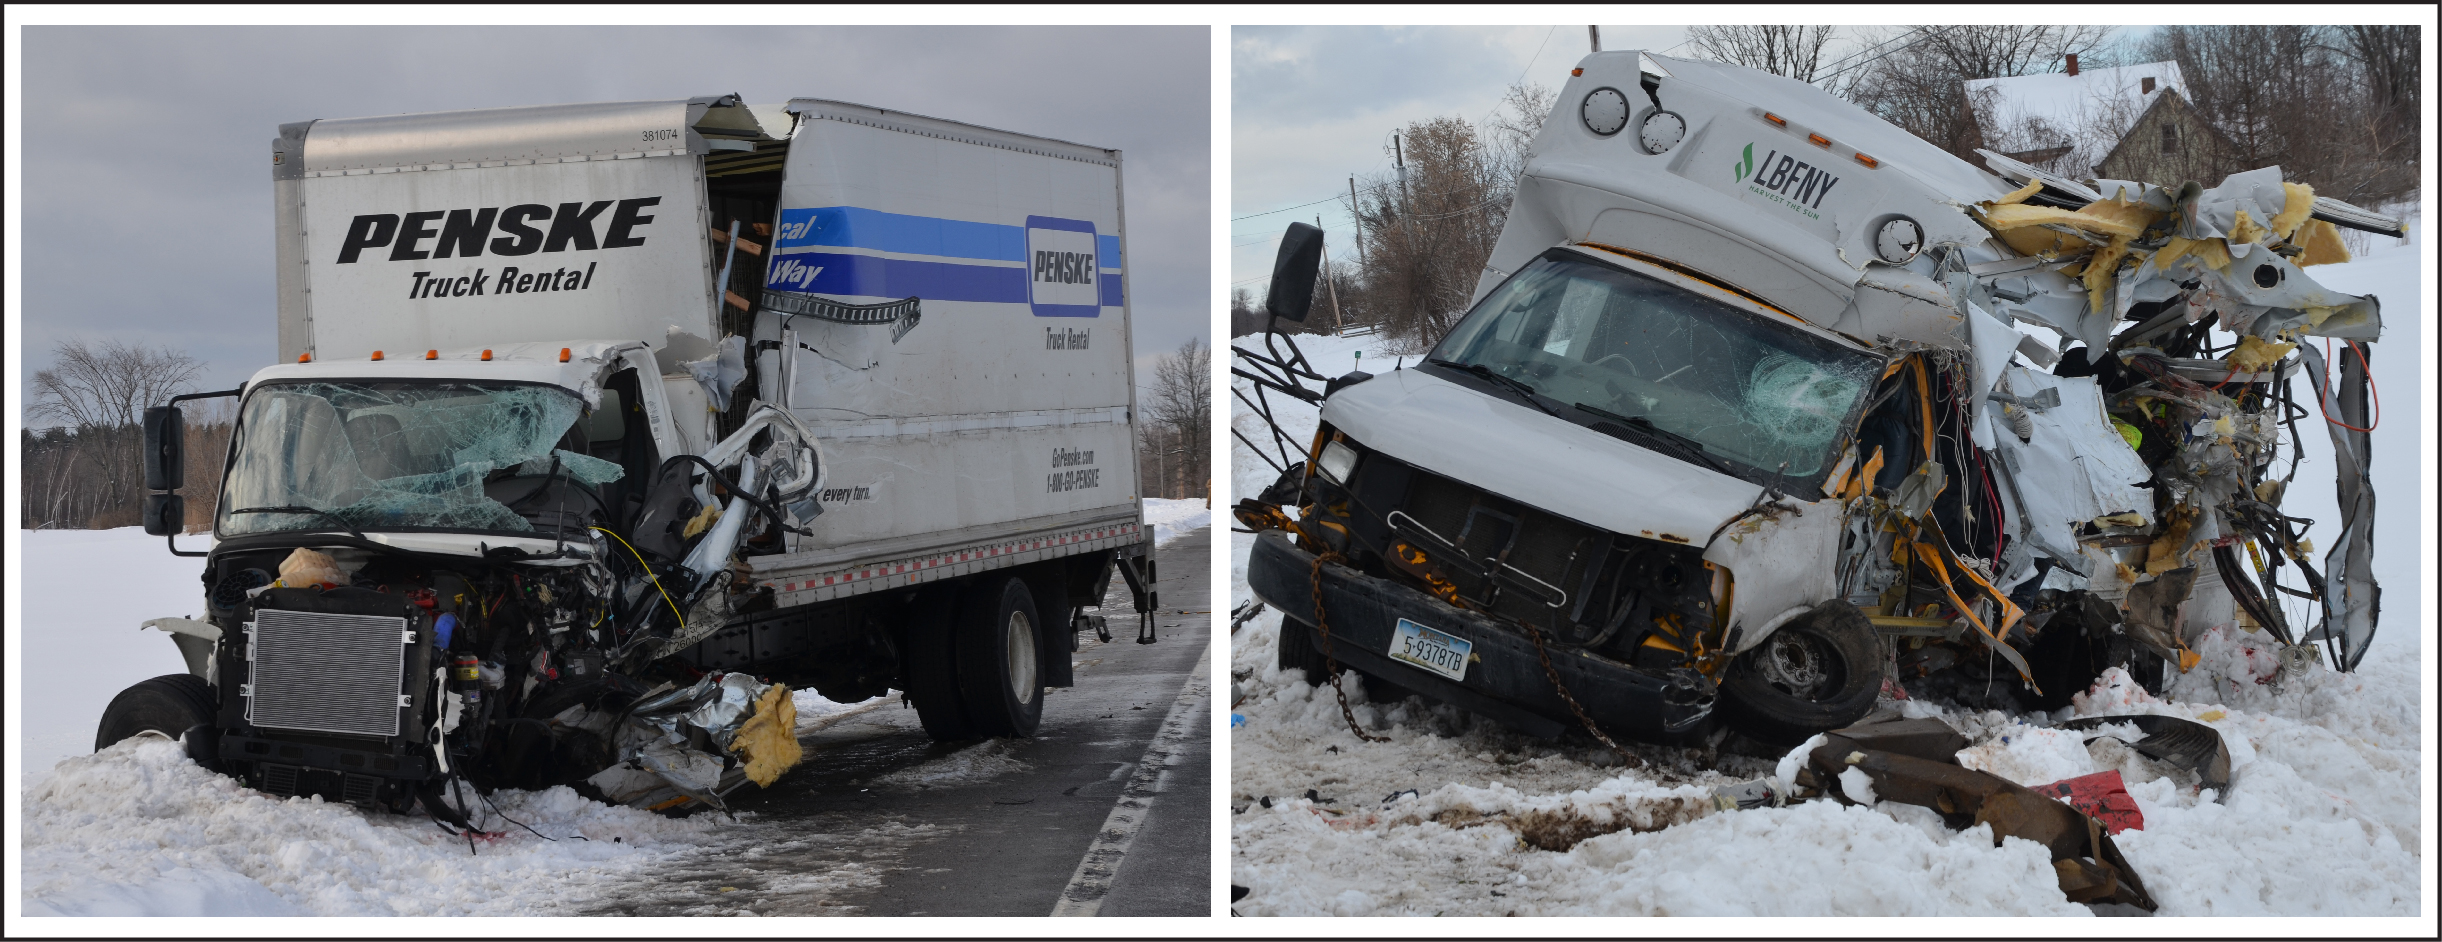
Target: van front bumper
1504,679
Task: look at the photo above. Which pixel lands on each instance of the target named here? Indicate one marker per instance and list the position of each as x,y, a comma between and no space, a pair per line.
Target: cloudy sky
145,174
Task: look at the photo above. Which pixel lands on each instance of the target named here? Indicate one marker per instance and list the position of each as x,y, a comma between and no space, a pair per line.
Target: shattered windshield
1612,346
398,455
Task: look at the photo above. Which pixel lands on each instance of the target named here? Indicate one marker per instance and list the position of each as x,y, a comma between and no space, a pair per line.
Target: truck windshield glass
397,455
1623,346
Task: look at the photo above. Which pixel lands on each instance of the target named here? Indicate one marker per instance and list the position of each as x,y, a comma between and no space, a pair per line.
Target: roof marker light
1577,72
377,354
1776,119
1868,161
487,356
432,354
307,357
1818,140
563,354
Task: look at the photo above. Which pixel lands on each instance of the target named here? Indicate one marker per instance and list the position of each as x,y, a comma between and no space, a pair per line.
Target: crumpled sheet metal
2223,237
2089,866
2181,742
677,743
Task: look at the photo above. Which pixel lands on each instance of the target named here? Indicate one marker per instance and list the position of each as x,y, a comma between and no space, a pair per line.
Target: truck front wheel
999,672
169,705
1820,672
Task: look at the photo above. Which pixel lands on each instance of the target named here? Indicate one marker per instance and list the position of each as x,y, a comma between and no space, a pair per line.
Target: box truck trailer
599,428
1741,418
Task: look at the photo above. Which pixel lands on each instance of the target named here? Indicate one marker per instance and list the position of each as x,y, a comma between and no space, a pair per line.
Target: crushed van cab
1740,428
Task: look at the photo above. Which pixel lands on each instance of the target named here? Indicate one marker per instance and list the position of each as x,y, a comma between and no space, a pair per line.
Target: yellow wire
648,574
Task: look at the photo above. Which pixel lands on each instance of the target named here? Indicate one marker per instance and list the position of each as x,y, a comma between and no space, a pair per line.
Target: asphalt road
880,820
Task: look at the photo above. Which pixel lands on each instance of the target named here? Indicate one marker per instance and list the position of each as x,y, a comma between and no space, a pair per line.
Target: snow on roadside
1459,816
137,830
1171,519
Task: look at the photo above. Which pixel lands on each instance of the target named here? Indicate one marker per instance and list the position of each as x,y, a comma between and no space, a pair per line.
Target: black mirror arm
172,540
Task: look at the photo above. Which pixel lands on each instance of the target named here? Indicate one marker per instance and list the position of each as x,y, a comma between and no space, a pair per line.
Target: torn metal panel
1782,559
2185,743
2350,616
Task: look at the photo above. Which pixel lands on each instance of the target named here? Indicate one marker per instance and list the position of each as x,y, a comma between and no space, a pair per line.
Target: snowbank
1459,816
137,830
1171,519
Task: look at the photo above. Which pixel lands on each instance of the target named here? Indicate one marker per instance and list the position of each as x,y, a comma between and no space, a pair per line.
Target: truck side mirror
1293,270
164,514
164,449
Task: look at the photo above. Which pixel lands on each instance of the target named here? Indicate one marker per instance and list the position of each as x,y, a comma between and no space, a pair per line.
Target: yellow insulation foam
768,739
2300,202
2321,243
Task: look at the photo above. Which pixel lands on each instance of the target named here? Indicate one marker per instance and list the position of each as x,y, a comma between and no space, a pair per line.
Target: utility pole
1401,161
1339,325
1355,212
1595,34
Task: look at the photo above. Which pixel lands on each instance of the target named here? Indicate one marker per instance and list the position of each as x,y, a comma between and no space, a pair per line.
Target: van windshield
1608,345
373,456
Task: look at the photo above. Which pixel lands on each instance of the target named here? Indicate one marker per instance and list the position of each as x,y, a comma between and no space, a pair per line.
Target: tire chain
1331,664
1553,674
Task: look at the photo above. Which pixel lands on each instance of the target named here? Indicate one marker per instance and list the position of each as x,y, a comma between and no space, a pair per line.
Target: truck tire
169,704
1000,672
1817,673
932,664
1297,650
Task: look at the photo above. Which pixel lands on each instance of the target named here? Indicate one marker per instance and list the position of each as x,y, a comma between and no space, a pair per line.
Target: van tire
1297,651
170,704
1000,669
932,664
1827,673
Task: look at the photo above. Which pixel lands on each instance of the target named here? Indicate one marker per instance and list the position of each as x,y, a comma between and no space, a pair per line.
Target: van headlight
1337,461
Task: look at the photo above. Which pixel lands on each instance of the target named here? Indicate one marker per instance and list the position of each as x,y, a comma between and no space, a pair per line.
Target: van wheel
1000,674
932,664
168,705
1298,651
1820,672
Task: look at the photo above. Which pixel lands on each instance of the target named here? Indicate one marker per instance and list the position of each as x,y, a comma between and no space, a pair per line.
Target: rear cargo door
1006,405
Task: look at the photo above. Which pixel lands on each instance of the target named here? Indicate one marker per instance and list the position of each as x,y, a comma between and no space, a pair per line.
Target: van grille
326,673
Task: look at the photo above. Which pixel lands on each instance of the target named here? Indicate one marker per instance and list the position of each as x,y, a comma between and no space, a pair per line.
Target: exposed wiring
2323,387
648,575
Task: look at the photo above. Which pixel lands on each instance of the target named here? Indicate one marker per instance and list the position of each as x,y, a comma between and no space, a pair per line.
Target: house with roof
2126,123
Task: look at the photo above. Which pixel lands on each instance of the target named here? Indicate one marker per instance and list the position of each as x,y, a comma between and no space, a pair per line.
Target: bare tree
1180,410
90,386
1787,51
86,470
2351,132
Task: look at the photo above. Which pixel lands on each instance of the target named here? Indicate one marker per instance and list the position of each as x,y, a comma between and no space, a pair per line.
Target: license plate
1432,650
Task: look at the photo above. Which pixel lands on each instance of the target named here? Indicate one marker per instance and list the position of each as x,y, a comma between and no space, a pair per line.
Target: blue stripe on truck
794,268
873,277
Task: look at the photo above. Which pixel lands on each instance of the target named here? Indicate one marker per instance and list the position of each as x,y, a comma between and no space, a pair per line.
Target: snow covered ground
1459,816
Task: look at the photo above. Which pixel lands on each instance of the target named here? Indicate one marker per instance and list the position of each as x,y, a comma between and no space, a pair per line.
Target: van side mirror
1293,270
164,449
164,515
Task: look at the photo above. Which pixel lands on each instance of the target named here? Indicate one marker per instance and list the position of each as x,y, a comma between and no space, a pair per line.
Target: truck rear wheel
1820,672
169,705
999,671
932,664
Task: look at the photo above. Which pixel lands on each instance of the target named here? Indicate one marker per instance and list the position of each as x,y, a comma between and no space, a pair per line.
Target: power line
1286,208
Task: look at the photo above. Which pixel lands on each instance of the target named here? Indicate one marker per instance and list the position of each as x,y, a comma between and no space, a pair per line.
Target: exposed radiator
326,673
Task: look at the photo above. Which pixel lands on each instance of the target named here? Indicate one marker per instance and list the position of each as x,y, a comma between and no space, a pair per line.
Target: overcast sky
147,183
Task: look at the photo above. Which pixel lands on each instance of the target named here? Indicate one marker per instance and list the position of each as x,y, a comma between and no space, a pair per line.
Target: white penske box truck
597,429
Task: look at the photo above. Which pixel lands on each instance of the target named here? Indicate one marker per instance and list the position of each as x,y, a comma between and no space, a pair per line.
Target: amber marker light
563,354
1868,161
432,354
377,354
487,356
1819,140
1776,119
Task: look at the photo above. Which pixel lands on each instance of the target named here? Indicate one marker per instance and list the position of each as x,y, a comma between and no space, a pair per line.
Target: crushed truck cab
1741,424
600,430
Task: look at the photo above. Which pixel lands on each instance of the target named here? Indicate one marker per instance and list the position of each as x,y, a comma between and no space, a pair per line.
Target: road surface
880,820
